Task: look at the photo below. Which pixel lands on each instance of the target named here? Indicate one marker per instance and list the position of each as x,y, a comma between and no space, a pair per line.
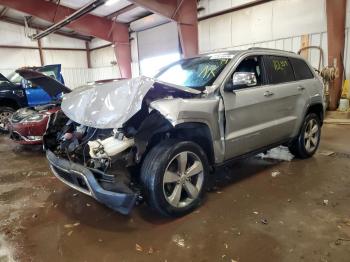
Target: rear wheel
5,115
307,142
174,175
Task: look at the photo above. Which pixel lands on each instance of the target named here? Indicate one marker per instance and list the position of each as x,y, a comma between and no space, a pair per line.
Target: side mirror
241,80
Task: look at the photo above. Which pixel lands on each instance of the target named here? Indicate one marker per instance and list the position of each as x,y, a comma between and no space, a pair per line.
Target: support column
41,54
122,49
88,54
188,27
336,13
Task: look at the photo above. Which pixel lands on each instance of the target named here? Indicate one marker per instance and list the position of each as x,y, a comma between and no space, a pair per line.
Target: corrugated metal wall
277,24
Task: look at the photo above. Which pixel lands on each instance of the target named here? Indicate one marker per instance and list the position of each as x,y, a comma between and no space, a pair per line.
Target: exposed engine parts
109,147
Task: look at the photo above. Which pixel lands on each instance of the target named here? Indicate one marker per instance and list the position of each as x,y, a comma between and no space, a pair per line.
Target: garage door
158,47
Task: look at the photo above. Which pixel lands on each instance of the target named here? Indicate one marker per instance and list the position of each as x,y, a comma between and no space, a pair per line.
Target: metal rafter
39,27
113,31
121,11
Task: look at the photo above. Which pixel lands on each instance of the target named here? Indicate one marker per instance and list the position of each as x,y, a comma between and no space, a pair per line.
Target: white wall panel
103,57
275,20
204,35
96,42
298,17
220,38
75,77
14,35
59,41
214,6
15,58
105,73
68,59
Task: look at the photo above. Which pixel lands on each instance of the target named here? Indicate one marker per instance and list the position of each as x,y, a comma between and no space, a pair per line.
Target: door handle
301,88
268,93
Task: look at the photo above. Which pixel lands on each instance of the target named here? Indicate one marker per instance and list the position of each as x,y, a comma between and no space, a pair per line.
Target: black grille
64,175
72,178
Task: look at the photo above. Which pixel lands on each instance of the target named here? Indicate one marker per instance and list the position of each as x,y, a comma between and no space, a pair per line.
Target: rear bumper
88,182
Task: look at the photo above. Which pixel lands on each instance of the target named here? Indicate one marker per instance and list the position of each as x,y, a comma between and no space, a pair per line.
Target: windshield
195,73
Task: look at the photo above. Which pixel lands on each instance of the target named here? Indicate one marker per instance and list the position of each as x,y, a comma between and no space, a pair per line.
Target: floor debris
71,225
278,153
138,248
6,253
275,173
264,221
178,240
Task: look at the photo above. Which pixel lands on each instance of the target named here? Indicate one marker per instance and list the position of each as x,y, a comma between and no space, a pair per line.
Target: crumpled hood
109,105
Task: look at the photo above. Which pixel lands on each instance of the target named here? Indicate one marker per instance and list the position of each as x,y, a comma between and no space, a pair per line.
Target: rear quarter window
279,69
301,69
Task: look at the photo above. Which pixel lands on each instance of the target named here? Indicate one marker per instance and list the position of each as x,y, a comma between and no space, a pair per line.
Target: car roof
253,50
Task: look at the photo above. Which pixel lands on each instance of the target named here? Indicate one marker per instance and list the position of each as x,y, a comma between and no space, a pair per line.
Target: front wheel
174,175
5,115
308,140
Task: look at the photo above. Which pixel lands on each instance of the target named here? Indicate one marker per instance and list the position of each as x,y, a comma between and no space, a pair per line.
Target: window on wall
301,69
279,69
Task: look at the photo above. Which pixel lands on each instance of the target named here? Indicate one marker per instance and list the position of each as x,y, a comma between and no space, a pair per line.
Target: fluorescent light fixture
111,2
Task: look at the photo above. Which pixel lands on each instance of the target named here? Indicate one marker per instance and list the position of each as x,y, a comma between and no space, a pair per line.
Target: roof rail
273,49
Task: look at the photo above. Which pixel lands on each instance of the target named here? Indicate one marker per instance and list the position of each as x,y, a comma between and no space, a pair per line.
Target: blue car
17,92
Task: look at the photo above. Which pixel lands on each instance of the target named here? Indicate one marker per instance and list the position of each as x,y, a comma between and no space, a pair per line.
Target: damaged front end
103,132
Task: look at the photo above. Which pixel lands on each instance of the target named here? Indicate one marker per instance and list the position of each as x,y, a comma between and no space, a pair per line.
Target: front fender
196,110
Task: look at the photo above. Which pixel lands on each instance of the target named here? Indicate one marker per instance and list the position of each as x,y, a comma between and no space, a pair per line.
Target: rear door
35,94
288,99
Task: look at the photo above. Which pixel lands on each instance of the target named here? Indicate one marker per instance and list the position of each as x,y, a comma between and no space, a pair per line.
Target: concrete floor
302,214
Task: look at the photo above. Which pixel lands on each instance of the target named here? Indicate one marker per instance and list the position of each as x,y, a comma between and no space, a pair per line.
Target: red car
28,125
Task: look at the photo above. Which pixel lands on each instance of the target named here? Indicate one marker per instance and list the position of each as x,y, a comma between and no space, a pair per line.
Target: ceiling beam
101,27
39,27
121,11
88,24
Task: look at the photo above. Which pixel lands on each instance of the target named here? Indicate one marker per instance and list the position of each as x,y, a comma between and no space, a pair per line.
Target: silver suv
159,138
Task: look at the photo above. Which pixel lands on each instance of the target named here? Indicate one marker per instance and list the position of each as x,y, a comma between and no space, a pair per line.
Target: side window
301,69
279,69
251,64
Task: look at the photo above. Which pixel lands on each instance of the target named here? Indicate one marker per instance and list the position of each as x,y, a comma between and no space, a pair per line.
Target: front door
251,112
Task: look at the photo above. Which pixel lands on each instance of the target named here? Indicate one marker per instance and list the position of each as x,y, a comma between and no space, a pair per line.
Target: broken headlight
37,117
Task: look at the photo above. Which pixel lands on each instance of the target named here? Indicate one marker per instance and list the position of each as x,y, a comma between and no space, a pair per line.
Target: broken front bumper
93,183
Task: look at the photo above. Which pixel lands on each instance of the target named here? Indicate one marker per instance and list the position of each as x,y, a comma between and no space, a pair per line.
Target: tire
161,189
5,114
305,144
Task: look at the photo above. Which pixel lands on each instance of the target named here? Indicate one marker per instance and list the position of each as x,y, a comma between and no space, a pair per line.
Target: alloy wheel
4,118
183,179
311,135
